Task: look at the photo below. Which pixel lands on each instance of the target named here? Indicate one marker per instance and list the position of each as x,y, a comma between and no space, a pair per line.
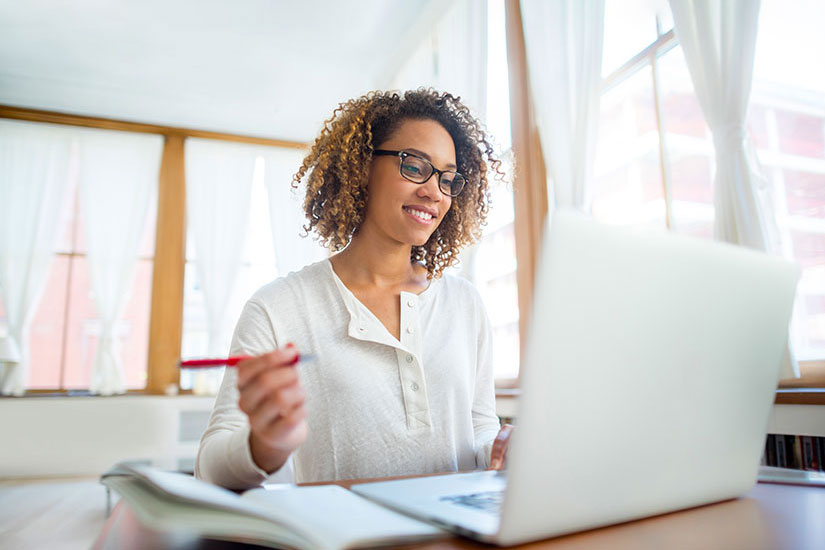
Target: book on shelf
799,452
809,459
781,461
323,517
796,451
820,451
770,450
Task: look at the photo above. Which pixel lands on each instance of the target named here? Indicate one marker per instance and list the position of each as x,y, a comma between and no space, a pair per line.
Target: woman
402,382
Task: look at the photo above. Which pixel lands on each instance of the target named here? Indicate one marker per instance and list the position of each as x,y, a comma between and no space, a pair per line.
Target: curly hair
337,170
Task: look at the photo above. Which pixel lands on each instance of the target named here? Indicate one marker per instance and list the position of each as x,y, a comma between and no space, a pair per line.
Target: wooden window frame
530,184
166,317
529,172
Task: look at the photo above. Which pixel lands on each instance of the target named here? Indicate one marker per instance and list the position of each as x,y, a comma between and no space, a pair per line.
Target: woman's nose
431,188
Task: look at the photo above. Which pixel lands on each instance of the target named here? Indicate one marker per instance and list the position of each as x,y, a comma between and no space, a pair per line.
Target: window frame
530,179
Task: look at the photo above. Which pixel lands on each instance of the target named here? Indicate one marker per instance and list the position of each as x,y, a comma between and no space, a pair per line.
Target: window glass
47,328
494,273
498,88
68,230
493,259
65,326
629,27
84,326
627,178
787,121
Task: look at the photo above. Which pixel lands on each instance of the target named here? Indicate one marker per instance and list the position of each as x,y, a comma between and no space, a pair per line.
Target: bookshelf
799,452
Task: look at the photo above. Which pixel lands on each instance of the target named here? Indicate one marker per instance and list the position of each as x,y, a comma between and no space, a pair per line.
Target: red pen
232,361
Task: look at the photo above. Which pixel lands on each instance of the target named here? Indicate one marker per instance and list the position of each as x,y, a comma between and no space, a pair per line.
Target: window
65,328
627,176
494,260
655,156
787,121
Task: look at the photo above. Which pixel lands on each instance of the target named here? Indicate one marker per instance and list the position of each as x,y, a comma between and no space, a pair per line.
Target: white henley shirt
376,406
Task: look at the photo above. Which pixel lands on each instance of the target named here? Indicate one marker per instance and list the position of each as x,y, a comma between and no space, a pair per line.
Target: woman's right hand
272,398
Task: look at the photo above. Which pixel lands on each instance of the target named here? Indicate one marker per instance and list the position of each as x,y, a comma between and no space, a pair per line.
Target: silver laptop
647,383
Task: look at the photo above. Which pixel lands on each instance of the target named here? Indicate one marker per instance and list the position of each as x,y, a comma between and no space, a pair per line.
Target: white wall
71,436
798,420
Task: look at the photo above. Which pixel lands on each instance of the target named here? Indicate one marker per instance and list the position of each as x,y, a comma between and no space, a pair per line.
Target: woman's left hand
498,455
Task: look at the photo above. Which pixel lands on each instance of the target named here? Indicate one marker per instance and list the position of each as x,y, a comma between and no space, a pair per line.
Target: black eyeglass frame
404,154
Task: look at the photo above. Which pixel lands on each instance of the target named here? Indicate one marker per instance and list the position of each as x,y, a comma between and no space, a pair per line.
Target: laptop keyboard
488,501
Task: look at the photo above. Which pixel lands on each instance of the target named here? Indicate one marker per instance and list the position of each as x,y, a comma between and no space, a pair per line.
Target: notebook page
340,517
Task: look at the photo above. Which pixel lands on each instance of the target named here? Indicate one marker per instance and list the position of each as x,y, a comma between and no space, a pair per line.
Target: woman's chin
415,238
421,241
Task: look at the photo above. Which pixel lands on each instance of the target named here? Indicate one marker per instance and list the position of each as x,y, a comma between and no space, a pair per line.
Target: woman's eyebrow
426,156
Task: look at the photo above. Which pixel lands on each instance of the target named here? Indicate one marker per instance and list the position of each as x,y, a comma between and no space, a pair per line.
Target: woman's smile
420,215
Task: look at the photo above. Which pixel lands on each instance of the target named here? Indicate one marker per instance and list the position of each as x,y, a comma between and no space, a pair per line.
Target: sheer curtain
719,42
218,189
118,180
286,213
453,57
34,169
461,54
563,40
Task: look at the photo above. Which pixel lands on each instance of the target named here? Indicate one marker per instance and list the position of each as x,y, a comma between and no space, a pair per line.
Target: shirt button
414,386
410,303
409,359
362,329
410,330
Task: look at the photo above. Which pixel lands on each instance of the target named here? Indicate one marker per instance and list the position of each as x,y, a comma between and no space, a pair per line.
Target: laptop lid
648,378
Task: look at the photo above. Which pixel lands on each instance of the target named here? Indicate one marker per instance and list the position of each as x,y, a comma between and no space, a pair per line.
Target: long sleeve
485,421
224,455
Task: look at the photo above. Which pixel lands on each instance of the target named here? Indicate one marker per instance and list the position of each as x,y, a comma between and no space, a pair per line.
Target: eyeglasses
419,170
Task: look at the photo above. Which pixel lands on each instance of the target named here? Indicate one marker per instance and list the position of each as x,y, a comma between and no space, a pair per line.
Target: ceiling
267,68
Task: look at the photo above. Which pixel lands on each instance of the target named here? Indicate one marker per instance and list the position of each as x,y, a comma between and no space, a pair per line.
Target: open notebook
323,517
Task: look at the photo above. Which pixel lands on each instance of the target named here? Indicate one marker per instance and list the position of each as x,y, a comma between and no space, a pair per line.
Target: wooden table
769,516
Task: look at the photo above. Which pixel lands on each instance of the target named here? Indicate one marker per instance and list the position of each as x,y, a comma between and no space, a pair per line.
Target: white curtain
563,39
218,189
34,171
118,181
452,57
461,54
286,212
719,42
